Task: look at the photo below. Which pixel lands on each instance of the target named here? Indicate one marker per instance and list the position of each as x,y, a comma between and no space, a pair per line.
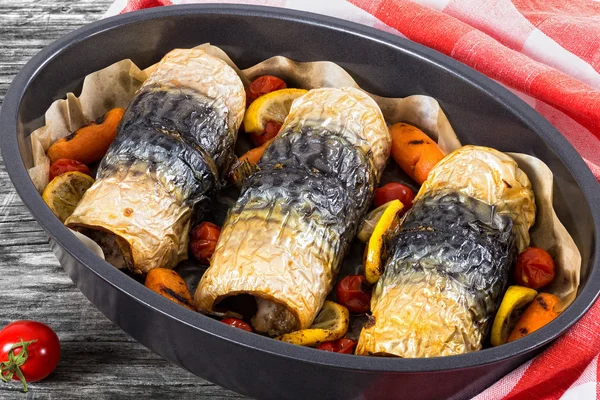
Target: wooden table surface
98,360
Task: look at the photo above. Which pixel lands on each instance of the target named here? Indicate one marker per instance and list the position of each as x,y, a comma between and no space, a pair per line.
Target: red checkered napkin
548,53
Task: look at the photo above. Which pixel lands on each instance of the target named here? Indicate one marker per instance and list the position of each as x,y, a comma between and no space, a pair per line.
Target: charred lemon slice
513,304
274,106
368,225
373,263
65,191
330,324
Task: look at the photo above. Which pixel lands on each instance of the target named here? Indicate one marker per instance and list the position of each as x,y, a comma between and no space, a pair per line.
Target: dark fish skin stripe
326,153
313,195
451,234
319,175
189,115
184,141
168,160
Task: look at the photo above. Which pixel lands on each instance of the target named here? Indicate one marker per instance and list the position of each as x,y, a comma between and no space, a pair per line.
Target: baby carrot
536,315
414,151
90,142
253,156
169,284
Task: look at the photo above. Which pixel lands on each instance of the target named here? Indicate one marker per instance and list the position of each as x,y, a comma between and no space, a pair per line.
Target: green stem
13,366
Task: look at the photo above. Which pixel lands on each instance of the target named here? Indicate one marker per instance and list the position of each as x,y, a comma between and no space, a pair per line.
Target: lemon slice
513,304
330,324
65,191
273,106
368,225
373,264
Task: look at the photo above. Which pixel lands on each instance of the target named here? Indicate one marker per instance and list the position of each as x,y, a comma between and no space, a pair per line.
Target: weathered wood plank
98,359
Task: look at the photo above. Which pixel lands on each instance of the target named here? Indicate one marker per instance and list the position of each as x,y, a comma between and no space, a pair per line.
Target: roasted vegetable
272,128
448,261
237,323
169,284
89,143
263,120
204,241
371,220
65,191
539,313
254,155
344,346
174,145
263,85
354,293
535,268
271,107
513,303
330,324
414,151
64,165
394,191
284,240
373,262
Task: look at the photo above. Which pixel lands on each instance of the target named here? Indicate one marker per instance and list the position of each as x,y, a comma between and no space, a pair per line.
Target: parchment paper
115,86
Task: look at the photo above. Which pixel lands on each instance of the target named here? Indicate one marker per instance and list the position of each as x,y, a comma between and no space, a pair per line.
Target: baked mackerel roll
448,260
173,145
282,243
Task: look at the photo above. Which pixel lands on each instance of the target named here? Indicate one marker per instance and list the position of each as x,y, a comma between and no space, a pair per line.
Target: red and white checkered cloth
548,53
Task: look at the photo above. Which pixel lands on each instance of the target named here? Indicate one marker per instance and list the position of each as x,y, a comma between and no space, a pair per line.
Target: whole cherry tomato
237,323
394,191
354,292
535,268
263,85
63,165
29,352
345,346
271,130
203,241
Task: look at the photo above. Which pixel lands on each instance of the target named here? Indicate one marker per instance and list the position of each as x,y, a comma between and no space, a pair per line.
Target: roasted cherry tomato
63,165
345,346
263,85
203,241
271,130
354,292
535,268
394,191
29,352
237,323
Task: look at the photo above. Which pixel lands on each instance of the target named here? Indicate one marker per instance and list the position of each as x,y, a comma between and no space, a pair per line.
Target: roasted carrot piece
169,284
536,315
89,143
414,151
253,156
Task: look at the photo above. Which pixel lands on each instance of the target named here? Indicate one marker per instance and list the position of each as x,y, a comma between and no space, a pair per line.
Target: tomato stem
13,366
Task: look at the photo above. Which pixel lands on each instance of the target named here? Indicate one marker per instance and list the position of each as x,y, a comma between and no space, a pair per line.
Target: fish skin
173,147
285,238
450,257
491,176
169,129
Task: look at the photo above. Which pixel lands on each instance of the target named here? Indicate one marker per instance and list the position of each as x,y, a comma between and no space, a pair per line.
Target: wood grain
98,360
